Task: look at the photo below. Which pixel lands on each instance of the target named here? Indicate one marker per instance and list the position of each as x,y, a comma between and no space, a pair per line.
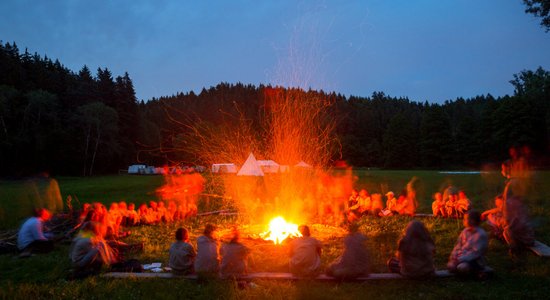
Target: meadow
44,276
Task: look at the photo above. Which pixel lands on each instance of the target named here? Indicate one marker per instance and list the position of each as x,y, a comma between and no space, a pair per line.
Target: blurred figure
234,257
364,202
494,217
518,232
182,254
89,251
468,255
438,206
305,254
415,252
391,205
32,237
354,262
451,202
207,263
463,204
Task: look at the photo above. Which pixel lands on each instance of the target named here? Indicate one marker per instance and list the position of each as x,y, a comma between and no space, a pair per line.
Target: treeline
55,120
52,119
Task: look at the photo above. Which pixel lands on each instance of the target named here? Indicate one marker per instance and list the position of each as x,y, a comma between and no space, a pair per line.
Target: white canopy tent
250,167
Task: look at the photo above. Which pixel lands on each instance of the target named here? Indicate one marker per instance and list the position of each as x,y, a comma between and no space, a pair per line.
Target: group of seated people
414,256
121,214
362,203
451,204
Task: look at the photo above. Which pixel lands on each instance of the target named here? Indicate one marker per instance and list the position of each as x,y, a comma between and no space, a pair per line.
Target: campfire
279,230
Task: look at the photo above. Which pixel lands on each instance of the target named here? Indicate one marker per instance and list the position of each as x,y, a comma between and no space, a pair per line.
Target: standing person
182,254
415,252
207,262
234,257
468,255
305,254
354,262
31,237
517,230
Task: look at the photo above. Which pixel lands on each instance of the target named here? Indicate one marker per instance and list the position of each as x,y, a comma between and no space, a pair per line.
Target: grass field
44,276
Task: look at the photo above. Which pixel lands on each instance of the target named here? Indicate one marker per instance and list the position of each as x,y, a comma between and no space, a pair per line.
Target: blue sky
425,50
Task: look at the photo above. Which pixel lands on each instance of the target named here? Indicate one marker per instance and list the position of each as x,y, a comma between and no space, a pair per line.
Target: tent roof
250,167
303,164
267,163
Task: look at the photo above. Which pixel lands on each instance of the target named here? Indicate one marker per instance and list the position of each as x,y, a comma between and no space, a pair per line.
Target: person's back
207,260
354,262
234,255
182,254
305,254
415,251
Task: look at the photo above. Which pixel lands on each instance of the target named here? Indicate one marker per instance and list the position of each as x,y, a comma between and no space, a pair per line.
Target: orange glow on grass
279,230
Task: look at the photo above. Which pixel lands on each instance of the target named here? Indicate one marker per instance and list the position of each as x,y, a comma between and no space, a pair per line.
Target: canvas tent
250,167
268,166
302,164
136,169
224,168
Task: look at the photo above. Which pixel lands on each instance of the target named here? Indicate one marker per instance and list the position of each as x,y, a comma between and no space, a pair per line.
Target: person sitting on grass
89,251
354,262
234,257
207,262
132,217
391,204
376,204
494,217
415,253
468,255
182,254
438,206
353,211
451,196
305,254
463,204
31,238
365,202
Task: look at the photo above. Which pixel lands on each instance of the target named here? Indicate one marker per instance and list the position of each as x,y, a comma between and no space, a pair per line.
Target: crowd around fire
97,236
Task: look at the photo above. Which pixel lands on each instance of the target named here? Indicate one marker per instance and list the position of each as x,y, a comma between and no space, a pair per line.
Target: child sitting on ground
391,204
415,252
438,206
468,255
305,254
463,204
234,256
450,201
354,262
494,217
207,262
182,254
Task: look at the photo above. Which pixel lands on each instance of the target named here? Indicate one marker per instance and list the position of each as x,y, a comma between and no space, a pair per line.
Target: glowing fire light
279,230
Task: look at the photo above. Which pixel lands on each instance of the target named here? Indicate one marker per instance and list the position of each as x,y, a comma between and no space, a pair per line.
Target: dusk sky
426,50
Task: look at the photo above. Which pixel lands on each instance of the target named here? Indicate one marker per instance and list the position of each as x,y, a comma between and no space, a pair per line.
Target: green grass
44,276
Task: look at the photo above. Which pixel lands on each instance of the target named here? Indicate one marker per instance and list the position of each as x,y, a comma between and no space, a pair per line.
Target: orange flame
279,230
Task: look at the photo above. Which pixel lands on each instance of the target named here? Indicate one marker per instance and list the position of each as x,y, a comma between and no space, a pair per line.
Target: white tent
302,164
250,167
268,166
136,169
224,168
